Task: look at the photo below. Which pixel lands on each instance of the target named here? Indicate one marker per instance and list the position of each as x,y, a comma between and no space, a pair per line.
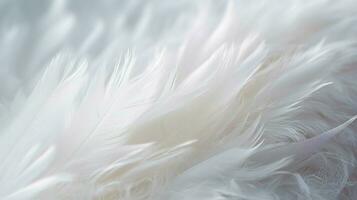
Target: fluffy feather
208,100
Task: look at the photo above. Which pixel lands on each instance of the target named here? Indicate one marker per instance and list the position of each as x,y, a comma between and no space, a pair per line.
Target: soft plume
178,100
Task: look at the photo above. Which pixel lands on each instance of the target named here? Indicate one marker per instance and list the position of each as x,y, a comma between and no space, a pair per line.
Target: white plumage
178,100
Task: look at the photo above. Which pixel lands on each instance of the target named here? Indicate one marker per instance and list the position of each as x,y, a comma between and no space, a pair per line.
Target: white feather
186,100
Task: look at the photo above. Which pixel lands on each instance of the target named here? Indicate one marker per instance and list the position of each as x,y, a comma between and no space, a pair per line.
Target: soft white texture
178,100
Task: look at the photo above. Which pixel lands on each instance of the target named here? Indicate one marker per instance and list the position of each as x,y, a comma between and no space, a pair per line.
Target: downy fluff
178,100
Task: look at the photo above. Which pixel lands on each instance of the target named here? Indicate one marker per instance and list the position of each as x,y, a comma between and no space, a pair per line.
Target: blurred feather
213,100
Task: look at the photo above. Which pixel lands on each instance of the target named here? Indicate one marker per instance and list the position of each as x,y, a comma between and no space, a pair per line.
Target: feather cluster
178,100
